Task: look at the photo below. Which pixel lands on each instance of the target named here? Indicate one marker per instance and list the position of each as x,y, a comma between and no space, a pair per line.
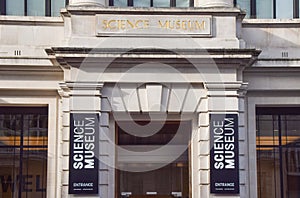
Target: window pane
292,156
182,3
290,130
267,130
268,173
171,178
56,5
264,9
141,3
23,151
36,7
161,3
9,171
15,7
10,130
292,164
34,173
244,5
284,9
278,165
36,125
35,130
120,3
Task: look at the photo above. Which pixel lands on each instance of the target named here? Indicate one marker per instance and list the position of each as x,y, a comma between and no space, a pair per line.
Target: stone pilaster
223,98
244,154
77,97
203,151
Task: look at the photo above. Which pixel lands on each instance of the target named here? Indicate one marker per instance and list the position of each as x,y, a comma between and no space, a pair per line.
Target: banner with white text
84,152
224,154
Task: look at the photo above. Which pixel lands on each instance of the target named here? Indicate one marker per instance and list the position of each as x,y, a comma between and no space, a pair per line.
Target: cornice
272,70
93,10
70,56
81,85
30,68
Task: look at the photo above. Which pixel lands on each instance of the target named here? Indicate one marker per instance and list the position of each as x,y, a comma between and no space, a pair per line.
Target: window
145,168
23,152
32,7
278,152
268,9
152,3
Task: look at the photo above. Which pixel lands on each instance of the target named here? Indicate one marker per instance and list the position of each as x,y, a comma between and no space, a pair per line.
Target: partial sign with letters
224,154
84,152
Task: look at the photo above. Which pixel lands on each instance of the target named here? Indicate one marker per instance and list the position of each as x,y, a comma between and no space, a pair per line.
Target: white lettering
84,143
223,143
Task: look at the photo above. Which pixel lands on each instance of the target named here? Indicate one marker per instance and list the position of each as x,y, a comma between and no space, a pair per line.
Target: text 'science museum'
149,98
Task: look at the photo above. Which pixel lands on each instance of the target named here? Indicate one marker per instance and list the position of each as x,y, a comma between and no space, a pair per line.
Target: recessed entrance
153,159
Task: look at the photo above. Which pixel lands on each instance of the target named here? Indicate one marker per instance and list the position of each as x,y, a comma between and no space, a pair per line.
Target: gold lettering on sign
125,24
189,25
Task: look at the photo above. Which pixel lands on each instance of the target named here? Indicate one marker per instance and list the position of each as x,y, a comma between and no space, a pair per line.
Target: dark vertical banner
224,154
84,152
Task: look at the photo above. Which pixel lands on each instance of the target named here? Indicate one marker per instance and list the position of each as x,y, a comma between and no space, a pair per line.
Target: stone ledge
31,20
271,23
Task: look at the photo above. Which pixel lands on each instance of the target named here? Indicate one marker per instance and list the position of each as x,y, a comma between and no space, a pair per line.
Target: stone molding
87,2
215,3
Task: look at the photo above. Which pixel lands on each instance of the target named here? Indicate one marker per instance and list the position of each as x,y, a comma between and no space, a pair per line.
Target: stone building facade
160,80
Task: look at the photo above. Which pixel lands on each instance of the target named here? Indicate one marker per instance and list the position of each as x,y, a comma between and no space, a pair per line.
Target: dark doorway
145,171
